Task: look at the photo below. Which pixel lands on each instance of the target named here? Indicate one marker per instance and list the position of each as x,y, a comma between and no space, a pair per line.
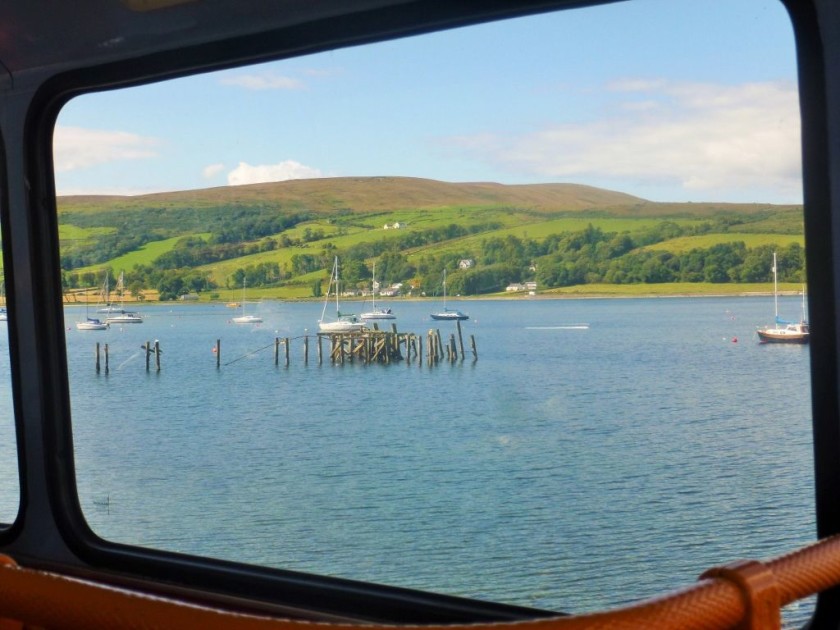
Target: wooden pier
385,347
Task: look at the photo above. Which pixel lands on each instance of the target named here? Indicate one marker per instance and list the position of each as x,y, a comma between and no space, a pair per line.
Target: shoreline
133,304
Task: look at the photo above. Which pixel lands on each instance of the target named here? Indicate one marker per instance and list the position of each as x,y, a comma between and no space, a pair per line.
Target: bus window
613,206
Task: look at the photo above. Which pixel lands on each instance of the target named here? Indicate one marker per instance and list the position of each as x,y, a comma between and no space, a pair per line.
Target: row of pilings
366,346
369,346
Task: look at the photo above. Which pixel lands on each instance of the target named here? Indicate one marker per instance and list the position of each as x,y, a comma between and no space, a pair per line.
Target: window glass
9,480
571,183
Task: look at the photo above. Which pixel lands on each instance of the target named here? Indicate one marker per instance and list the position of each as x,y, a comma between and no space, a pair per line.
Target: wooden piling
474,351
277,351
97,357
157,355
306,349
218,353
148,353
107,369
439,343
453,349
460,338
320,354
286,350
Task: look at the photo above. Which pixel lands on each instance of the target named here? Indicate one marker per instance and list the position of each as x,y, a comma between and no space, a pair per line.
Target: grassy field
684,244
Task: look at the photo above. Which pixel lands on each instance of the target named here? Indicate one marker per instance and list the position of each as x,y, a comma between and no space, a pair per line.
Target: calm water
568,469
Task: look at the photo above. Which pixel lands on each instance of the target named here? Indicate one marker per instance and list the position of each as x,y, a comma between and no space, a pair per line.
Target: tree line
587,256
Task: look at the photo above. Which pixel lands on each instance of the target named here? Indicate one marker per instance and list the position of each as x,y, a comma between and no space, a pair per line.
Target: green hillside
281,238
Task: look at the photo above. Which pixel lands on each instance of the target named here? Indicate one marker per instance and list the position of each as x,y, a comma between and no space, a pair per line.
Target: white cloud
78,148
264,81
700,137
262,173
211,170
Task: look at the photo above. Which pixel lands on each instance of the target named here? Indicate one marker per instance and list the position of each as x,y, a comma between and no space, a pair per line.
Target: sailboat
120,315
448,314
246,319
376,313
783,331
106,298
93,323
344,322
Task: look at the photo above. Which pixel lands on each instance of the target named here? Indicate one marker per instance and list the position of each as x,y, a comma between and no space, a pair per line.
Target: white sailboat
376,313
106,298
93,323
245,318
784,331
448,314
344,322
122,316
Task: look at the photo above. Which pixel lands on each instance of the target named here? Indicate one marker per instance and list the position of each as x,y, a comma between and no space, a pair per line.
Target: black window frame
50,531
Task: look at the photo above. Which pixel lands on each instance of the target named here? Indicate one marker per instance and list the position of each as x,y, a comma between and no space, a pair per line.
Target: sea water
598,451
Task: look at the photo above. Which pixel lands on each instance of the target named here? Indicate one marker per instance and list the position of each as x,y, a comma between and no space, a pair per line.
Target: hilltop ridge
375,194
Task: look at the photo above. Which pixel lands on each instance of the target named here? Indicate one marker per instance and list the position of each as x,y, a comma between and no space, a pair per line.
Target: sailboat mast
336,284
775,286
444,289
329,286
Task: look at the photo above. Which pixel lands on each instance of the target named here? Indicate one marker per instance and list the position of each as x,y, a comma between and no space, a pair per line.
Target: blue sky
669,100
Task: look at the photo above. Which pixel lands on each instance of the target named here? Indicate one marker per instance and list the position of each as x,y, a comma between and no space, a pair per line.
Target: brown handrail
746,595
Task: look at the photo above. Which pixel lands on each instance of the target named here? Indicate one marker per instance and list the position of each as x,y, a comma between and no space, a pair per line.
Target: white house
465,263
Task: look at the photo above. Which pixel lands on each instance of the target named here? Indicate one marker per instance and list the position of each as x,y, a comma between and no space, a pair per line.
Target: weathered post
419,352
277,351
106,359
286,344
157,355
97,357
148,353
320,354
218,353
306,349
439,343
460,338
474,351
454,350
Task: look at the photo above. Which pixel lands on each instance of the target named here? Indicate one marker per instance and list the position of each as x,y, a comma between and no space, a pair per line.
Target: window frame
51,532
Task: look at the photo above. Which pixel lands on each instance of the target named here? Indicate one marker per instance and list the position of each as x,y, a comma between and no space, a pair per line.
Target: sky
668,100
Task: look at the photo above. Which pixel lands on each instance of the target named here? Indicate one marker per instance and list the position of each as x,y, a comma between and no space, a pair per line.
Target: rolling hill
283,235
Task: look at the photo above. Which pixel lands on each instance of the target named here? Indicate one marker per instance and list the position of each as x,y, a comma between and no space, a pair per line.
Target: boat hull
450,316
125,318
378,315
340,327
247,319
92,324
783,336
